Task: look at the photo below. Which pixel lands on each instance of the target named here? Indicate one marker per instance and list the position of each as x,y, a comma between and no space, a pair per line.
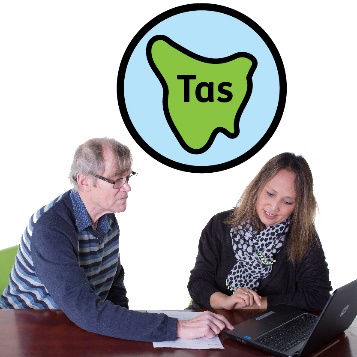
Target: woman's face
277,199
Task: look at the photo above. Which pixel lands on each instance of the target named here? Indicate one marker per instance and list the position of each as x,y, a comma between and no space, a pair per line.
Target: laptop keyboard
290,334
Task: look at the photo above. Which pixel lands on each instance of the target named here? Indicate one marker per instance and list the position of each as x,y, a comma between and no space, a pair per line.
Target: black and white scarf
254,252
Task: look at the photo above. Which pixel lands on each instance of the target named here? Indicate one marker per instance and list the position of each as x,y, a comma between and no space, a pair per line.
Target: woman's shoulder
217,228
222,216
219,221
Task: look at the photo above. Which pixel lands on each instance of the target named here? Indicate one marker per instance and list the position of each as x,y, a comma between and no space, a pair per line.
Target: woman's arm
309,284
203,279
242,298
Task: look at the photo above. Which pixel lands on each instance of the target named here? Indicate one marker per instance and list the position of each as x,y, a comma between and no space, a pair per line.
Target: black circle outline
217,167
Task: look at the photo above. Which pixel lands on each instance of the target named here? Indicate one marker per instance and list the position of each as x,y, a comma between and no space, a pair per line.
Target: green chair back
7,259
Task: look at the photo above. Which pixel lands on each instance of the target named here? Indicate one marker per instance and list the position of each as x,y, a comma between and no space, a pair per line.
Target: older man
68,257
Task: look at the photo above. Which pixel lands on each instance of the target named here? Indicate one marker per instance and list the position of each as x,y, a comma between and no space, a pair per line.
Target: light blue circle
213,35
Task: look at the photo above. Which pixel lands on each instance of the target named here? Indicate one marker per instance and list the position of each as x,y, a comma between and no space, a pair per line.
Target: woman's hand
242,298
263,304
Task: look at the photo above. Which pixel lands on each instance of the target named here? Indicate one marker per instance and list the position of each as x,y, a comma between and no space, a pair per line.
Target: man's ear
84,182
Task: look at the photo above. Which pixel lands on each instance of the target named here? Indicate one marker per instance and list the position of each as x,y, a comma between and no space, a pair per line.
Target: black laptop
286,331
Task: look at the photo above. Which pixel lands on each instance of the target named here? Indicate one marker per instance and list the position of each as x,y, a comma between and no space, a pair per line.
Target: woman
266,251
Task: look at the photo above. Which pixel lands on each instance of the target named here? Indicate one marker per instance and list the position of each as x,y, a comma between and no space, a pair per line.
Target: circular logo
201,88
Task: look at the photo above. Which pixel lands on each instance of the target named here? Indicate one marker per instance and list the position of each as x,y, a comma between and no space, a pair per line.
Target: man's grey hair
88,157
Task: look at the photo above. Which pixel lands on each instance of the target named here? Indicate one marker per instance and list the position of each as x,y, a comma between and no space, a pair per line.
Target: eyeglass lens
120,182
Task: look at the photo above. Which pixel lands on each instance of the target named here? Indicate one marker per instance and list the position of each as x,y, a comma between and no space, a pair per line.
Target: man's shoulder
57,210
48,225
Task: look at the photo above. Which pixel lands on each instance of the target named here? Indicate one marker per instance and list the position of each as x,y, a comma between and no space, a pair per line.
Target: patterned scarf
254,252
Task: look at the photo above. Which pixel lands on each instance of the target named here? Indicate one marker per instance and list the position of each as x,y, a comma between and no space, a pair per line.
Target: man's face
105,198
277,200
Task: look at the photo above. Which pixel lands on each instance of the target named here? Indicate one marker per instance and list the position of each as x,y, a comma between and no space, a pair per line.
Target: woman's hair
302,229
89,158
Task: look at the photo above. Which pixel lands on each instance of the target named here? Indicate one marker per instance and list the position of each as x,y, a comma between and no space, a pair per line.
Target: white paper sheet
197,344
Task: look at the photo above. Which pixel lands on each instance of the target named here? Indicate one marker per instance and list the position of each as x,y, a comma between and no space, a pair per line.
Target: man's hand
207,325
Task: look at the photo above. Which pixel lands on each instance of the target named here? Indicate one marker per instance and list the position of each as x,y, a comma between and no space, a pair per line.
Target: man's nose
126,187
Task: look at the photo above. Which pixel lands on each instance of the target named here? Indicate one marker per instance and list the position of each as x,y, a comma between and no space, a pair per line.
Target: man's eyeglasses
117,184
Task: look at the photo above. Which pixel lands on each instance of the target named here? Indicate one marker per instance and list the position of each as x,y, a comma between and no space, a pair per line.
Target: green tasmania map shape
201,96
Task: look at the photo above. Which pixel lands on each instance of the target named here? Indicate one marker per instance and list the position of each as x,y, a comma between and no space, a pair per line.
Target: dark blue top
64,262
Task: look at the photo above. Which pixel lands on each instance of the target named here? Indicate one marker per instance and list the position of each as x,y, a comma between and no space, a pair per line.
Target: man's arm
117,293
56,266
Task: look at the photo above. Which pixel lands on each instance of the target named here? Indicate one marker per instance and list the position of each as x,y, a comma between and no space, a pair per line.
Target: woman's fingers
248,297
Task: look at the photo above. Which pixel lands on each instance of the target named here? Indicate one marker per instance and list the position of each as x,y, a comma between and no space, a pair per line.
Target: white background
58,70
